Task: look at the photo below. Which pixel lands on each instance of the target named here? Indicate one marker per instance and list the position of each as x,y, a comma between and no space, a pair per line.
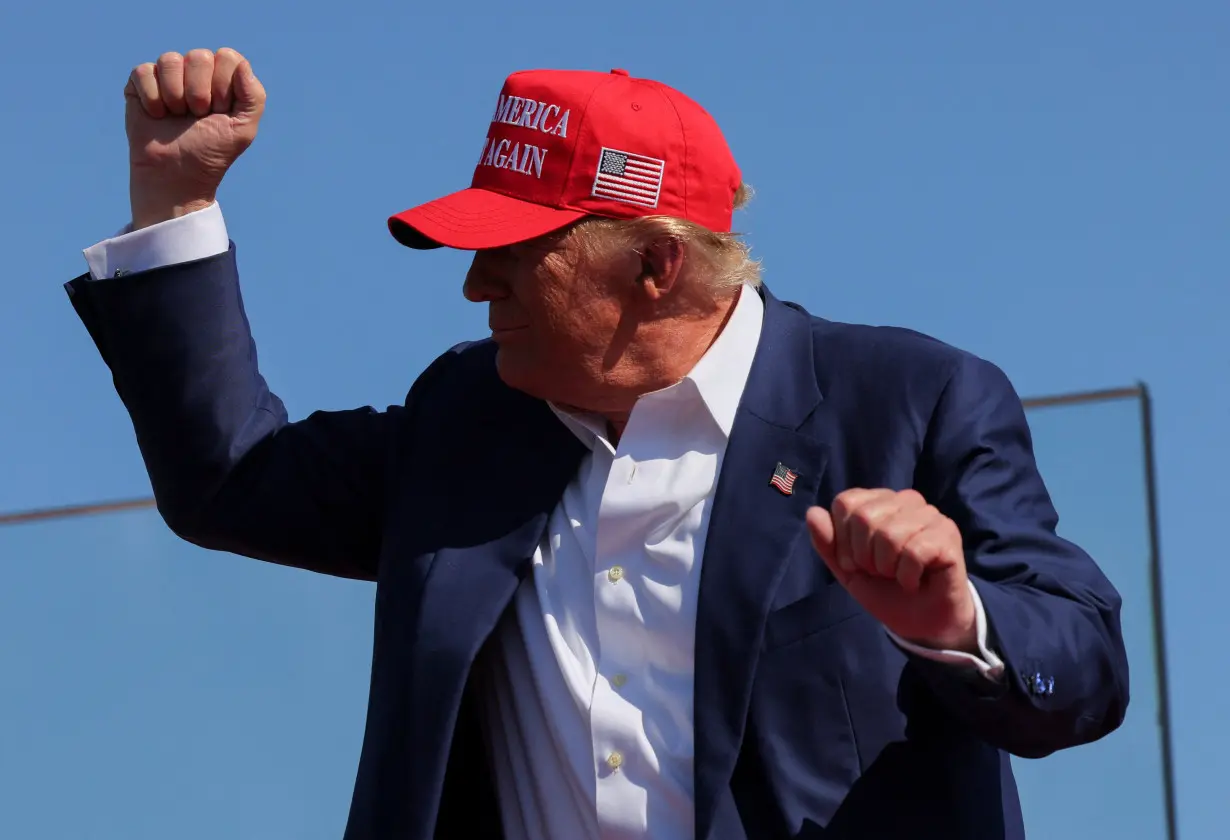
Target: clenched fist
188,119
903,561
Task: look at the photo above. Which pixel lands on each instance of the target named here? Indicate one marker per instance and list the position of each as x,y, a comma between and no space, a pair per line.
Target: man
717,569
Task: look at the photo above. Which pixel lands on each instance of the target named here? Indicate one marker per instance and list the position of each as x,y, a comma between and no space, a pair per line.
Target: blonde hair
725,259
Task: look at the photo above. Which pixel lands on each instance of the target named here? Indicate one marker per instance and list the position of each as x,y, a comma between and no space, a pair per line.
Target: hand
903,561
188,119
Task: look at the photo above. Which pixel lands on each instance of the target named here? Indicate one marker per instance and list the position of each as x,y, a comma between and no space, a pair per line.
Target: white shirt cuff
987,662
193,236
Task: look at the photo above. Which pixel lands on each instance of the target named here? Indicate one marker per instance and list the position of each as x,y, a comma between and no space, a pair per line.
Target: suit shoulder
459,368
892,354
473,358
883,344
894,372
462,389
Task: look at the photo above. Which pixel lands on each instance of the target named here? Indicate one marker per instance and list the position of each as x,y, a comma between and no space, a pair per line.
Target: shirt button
615,574
618,680
615,760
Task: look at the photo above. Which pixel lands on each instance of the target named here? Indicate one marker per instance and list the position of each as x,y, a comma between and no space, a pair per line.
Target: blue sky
1041,184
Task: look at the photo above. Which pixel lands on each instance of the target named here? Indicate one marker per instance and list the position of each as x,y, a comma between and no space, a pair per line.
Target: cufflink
120,272
1040,686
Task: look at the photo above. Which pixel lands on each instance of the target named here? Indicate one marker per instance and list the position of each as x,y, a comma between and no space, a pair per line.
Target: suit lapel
754,528
468,587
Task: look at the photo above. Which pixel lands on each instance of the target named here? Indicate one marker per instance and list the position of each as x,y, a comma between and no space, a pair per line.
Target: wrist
152,203
144,216
962,636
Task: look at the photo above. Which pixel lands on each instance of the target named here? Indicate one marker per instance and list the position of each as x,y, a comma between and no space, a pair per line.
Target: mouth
498,332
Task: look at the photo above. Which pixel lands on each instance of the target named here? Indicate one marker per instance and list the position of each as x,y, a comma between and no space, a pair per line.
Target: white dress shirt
589,702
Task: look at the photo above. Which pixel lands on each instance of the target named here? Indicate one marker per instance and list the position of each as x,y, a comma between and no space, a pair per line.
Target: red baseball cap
566,144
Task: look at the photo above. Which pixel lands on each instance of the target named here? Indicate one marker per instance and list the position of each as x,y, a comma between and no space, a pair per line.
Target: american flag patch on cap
632,179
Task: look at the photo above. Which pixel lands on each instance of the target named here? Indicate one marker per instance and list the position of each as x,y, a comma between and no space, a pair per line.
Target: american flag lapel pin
783,479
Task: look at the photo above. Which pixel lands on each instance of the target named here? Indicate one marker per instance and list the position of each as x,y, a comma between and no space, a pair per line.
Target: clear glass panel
151,689
1092,458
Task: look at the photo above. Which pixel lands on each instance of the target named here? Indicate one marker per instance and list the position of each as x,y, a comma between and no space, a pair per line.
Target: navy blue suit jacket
809,721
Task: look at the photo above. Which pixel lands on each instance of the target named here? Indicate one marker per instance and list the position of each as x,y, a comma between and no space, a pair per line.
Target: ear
661,267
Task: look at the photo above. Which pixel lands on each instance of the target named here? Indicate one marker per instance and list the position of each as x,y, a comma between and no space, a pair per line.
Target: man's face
555,308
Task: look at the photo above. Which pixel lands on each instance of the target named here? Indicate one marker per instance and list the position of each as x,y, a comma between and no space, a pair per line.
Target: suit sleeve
229,471
1054,617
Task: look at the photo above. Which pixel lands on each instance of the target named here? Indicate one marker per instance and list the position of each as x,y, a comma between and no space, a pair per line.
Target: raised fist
188,119
902,560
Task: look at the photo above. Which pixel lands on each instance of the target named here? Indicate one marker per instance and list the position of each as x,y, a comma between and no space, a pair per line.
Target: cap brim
474,219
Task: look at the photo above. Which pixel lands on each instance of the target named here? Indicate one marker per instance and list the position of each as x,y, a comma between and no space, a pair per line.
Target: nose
483,283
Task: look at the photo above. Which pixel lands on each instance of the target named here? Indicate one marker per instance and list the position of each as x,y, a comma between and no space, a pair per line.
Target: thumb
824,538
249,94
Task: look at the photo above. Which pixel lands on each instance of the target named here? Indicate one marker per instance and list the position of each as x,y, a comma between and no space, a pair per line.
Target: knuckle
915,549
947,524
842,504
886,544
200,55
954,532
144,70
911,568
912,496
170,59
861,518
851,498
229,54
923,550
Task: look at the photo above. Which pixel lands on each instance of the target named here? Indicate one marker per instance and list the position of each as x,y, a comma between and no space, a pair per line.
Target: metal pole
73,510
1079,397
1159,635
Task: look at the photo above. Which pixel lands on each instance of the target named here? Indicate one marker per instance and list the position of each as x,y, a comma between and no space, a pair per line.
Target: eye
503,257
532,251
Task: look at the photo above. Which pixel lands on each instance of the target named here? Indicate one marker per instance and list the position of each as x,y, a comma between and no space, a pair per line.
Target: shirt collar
718,379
